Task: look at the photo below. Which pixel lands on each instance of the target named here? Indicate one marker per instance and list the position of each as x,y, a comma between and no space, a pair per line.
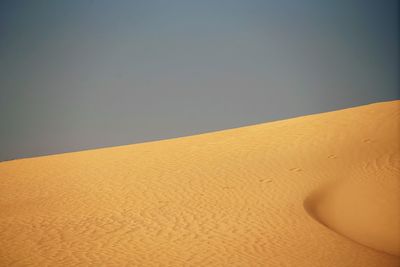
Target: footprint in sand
332,156
295,170
227,188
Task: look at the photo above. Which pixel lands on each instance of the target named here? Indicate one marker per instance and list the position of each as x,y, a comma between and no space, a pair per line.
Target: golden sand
319,190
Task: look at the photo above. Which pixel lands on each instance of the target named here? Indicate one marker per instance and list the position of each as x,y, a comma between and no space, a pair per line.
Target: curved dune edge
228,198
366,211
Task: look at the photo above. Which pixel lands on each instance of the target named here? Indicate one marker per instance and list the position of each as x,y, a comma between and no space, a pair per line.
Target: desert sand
317,190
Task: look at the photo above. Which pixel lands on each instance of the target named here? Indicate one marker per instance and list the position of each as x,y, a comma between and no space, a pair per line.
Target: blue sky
83,74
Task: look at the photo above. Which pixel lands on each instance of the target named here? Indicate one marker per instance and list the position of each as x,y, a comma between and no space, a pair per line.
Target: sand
318,190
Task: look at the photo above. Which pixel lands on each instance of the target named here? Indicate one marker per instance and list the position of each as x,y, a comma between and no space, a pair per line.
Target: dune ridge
317,190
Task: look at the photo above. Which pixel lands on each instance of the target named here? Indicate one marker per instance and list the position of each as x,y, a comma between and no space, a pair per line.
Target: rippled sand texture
319,190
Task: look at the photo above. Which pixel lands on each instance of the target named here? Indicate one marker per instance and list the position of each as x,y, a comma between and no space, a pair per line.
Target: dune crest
365,210
239,197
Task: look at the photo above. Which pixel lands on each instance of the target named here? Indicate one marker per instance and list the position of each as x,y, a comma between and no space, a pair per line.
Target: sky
80,74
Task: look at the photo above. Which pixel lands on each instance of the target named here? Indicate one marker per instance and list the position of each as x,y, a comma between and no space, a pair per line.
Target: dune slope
318,190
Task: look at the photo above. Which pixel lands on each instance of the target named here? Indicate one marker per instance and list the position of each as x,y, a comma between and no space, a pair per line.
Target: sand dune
319,190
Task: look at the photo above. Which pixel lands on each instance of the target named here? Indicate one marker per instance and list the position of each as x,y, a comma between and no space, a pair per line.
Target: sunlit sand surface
319,190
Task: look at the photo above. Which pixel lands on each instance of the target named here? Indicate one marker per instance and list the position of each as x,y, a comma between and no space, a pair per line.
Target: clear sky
79,74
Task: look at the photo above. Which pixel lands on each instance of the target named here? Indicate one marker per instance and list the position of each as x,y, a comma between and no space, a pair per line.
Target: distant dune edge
317,190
